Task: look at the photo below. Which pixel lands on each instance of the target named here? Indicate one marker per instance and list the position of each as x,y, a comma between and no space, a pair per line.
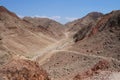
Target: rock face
20,69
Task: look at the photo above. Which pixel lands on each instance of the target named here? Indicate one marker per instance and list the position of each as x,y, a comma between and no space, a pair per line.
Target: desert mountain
101,39
47,26
20,37
78,24
42,49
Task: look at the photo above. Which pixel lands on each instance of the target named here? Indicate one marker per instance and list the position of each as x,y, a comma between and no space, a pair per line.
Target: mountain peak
94,15
3,9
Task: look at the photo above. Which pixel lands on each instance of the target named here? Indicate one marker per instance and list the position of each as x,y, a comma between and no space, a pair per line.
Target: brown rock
101,65
22,70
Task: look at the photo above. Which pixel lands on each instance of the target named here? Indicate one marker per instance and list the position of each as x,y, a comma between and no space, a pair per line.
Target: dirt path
47,56
60,45
90,55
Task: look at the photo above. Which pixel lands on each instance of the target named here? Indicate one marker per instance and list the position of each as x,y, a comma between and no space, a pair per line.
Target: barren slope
46,26
76,25
16,37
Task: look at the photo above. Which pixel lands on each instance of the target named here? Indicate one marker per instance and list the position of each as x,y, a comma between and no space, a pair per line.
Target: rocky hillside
102,39
47,26
89,19
22,69
19,37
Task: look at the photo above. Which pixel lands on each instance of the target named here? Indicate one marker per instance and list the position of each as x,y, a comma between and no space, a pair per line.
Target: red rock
19,69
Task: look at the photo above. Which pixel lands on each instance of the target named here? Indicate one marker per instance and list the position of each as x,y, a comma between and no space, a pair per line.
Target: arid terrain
43,49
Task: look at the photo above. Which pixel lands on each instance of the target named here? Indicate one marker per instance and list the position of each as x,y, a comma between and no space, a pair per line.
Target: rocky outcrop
82,33
21,69
99,72
101,65
102,75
